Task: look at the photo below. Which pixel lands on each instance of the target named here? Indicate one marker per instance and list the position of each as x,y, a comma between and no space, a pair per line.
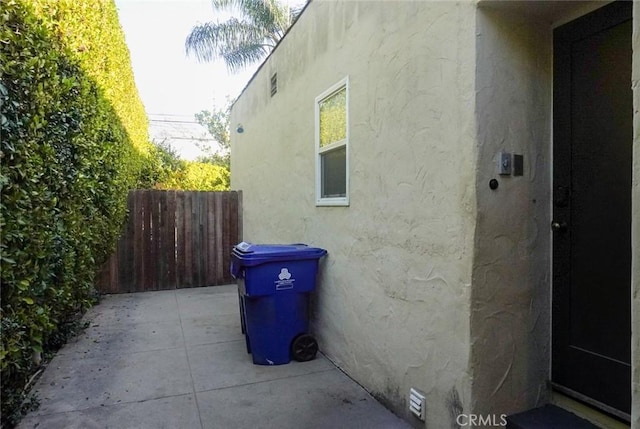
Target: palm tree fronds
241,42
263,12
209,41
238,59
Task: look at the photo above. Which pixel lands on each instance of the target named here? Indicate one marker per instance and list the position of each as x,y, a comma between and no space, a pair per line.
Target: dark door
592,140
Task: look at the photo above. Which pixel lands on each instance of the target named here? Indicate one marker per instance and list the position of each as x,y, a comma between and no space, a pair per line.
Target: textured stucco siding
510,312
392,307
433,280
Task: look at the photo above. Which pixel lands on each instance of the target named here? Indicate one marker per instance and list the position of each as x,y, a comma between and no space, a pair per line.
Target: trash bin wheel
304,348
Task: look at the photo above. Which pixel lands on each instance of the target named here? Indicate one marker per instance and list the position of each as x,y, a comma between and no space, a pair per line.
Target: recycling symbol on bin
284,274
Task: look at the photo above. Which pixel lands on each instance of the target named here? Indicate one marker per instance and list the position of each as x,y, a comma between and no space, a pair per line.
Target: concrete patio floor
177,359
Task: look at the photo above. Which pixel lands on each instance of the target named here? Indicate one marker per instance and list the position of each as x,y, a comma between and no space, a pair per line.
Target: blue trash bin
274,282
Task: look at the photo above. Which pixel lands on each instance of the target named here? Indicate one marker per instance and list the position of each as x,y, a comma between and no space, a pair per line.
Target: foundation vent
417,404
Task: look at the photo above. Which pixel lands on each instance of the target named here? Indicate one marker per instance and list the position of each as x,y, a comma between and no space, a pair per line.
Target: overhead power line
192,138
165,121
170,114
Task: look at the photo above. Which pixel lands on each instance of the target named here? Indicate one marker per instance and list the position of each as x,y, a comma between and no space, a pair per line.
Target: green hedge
74,140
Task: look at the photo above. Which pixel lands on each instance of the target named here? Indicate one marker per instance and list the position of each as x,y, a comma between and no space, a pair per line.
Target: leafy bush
171,172
197,176
167,162
216,121
74,140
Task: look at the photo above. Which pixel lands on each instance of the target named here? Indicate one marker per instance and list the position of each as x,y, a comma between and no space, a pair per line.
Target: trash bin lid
254,254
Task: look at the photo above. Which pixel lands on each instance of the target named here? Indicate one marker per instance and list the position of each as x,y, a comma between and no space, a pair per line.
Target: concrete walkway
177,359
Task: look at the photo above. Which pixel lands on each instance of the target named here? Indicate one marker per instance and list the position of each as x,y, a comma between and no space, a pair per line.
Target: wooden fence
174,239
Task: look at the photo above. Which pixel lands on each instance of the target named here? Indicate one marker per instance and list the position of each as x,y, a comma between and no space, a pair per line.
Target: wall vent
274,84
417,404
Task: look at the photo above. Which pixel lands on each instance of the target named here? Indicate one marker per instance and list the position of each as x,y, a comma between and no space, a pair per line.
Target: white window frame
333,201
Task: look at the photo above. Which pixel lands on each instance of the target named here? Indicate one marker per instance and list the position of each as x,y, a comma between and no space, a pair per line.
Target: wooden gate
174,239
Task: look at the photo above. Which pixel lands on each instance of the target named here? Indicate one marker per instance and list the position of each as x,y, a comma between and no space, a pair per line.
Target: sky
169,83
173,87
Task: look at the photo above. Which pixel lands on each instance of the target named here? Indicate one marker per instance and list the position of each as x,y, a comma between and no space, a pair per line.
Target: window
332,146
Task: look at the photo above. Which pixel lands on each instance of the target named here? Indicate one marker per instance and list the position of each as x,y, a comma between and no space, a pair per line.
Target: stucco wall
392,307
635,227
511,269
436,91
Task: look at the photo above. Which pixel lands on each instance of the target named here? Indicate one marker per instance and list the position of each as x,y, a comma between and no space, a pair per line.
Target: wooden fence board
219,219
188,232
170,240
196,247
138,240
180,238
160,204
210,241
174,239
126,248
234,233
147,250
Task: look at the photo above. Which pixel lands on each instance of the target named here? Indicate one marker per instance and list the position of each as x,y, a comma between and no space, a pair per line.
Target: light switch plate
504,163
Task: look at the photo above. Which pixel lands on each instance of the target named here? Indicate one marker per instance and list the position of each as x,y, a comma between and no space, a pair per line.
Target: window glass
333,118
334,173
